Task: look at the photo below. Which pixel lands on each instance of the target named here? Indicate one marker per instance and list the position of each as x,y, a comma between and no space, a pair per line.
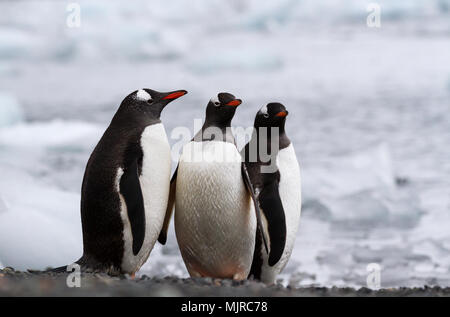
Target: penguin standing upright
126,185
215,219
275,178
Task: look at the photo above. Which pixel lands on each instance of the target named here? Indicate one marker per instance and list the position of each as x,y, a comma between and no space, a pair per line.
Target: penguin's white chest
214,219
155,182
290,194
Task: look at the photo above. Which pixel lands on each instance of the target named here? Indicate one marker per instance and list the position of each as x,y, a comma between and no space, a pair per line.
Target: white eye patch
215,101
141,94
264,110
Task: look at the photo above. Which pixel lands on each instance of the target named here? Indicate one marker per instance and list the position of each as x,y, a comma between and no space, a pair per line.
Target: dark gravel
14,283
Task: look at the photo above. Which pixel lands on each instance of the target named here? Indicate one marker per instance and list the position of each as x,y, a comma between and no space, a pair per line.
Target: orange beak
234,103
281,114
176,94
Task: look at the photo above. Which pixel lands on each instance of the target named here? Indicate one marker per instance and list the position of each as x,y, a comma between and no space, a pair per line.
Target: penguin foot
239,276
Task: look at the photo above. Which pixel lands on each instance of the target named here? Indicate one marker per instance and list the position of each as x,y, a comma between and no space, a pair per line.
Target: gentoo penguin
215,219
275,178
126,186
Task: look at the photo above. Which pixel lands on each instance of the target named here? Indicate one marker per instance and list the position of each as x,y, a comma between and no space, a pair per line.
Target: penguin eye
150,101
216,103
266,115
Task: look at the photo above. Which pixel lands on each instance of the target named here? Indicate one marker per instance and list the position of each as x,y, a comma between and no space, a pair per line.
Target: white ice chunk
345,175
3,207
362,210
42,225
358,192
49,134
10,110
15,43
232,60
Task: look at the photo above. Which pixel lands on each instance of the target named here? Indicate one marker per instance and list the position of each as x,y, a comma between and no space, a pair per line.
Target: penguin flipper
173,184
250,188
272,207
130,188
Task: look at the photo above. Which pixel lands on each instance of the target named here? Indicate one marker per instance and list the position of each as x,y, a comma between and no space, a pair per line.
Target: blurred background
369,118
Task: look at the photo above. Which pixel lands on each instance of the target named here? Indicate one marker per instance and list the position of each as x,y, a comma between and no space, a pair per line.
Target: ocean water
369,116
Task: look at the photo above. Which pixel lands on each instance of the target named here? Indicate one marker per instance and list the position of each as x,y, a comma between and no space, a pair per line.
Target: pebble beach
17,283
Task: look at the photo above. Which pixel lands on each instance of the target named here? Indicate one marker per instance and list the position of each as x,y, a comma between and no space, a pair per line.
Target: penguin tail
65,268
61,269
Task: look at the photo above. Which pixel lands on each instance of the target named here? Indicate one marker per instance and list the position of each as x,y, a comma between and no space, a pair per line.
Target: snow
368,116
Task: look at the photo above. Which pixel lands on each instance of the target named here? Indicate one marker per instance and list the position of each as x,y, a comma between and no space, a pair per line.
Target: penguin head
220,110
149,102
271,115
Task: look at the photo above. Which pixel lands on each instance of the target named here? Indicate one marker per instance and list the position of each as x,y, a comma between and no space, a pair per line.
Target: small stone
237,283
203,281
